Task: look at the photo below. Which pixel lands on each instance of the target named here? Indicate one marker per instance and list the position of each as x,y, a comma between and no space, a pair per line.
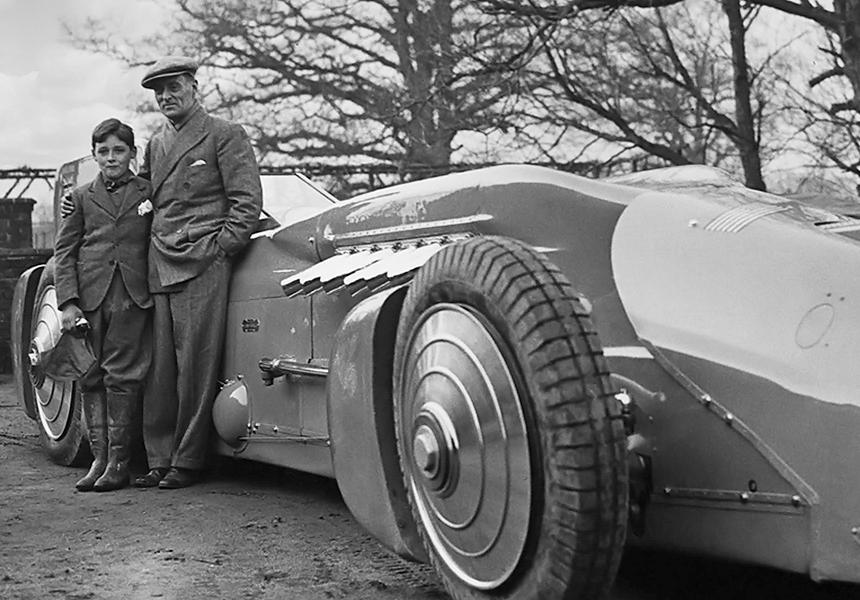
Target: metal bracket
806,494
793,503
264,432
273,368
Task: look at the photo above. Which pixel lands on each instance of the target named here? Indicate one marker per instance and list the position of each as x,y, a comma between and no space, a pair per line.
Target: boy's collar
114,184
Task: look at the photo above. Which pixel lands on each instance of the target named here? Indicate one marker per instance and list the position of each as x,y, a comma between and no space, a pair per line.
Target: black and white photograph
429,299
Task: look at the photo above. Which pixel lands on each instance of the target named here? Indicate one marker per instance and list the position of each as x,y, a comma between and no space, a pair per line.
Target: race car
514,373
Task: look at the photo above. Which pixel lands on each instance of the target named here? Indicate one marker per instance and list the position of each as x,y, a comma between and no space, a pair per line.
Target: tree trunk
848,15
745,137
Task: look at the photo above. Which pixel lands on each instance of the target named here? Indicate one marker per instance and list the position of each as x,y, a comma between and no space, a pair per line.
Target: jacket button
111,262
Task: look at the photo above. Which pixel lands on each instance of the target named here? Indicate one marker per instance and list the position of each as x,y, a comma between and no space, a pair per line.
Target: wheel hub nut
35,353
425,451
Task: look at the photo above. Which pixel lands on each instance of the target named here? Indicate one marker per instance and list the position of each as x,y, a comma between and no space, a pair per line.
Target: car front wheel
57,403
509,436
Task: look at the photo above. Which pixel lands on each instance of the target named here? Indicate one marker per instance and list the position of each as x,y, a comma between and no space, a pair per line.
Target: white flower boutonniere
144,207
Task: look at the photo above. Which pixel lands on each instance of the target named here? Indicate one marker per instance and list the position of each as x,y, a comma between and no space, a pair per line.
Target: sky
51,94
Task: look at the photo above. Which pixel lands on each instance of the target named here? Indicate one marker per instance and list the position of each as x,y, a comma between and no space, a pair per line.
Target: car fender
361,423
22,317
751,304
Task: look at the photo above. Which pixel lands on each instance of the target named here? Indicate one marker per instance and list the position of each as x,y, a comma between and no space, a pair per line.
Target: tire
58,404
23,301
508,433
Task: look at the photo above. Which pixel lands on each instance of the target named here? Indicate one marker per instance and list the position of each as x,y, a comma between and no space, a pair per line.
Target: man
207,199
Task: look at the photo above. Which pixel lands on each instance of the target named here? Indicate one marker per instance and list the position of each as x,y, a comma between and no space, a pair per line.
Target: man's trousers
188,329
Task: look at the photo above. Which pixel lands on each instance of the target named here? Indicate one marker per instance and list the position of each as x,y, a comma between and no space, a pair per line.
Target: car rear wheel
509,436
58,404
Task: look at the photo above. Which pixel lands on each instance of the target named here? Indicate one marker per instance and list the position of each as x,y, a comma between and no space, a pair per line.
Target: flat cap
168,66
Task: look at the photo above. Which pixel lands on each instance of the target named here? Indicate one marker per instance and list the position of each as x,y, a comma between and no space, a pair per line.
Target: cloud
53,94
50,113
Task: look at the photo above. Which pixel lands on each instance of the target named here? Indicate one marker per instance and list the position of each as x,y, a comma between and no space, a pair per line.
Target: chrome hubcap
53,398
435,448
469,466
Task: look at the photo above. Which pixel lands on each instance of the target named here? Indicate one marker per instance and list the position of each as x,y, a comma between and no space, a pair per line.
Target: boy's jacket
99,238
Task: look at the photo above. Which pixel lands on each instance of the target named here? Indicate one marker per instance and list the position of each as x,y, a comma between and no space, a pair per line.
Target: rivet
706,399
745,497
855,530
729,418
667,491
795,500
274,429
694,223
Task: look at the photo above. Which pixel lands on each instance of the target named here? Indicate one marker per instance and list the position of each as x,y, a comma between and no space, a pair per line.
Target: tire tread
580,529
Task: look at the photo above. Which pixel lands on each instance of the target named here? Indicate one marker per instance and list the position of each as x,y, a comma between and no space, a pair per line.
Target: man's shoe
151,479
177,478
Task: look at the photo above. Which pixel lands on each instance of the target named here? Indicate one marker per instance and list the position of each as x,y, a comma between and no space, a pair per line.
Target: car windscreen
287,197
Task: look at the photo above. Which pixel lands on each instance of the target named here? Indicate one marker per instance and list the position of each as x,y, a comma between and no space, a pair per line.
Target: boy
101,274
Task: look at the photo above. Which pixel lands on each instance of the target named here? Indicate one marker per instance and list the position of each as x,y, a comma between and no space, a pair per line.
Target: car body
712,373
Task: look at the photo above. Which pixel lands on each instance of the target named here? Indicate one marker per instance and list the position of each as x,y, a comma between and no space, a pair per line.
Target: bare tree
657,87
346,80
833,135
413,83
839,19
745,132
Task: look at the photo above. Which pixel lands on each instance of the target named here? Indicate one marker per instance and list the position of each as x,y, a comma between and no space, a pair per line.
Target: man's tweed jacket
206,193
99,237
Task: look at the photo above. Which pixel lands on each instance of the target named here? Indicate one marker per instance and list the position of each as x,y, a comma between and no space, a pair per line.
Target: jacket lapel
133,196
100,197
187,138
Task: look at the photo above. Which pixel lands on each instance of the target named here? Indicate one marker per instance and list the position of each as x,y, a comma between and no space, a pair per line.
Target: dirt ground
248,531
255,532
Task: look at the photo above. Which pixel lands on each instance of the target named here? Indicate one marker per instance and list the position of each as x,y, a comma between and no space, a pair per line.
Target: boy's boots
95,417
120,411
